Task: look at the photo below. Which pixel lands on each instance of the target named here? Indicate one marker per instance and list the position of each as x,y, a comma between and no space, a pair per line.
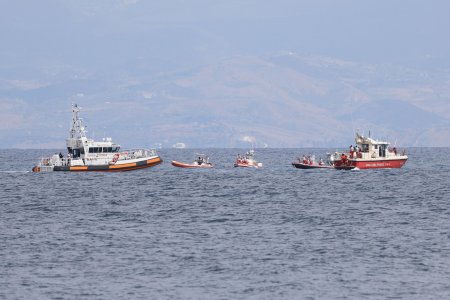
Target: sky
83,31
51,41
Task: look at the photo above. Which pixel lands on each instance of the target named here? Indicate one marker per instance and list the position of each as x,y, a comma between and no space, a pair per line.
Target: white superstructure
85,154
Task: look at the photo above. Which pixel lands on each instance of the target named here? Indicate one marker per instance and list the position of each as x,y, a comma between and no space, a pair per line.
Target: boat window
95,149
383,150
91,150
105,149
109,149
376,147
82,150
115,149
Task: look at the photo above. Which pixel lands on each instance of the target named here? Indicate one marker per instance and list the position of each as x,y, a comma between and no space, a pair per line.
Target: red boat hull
189,166
374,164
383,164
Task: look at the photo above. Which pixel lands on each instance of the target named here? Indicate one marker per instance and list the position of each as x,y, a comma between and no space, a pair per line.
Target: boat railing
390,152
65,161
54,160
397,152
136,153
45,161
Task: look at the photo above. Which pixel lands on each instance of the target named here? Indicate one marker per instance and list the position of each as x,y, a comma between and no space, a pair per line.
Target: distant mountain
279,100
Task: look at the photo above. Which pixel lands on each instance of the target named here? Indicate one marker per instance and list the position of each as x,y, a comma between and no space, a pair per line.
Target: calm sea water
226,233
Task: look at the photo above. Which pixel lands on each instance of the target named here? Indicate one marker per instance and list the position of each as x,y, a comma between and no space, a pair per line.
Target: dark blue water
226,233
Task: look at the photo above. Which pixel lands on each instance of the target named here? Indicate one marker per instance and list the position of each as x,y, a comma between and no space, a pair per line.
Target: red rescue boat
247,160
369,153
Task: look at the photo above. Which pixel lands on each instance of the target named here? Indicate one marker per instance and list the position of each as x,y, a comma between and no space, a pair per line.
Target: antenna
353,123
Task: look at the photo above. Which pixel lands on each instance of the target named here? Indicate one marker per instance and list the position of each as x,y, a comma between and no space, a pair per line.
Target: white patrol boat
85,154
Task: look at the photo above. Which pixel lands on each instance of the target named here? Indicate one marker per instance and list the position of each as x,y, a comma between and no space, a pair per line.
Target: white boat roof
360,139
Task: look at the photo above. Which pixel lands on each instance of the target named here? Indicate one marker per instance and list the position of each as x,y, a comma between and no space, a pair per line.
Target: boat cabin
368,148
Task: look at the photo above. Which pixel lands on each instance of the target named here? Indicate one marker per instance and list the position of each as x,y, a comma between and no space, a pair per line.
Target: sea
226,233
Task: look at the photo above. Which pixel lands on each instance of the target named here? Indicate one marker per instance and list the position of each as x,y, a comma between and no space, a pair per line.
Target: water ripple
226,233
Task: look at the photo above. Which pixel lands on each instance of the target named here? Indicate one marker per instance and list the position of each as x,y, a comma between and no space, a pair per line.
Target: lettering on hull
379,164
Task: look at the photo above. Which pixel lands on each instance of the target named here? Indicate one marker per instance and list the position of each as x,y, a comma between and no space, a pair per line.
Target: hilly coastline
280,100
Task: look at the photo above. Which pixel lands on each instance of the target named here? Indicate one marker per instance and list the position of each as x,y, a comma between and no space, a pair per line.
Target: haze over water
287,73
226,233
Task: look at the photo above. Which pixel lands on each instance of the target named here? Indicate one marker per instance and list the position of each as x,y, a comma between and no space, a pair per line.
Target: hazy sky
52,51
115,31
